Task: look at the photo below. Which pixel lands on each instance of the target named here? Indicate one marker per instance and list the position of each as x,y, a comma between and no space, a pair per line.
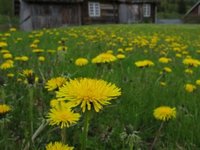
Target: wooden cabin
193,15
37,14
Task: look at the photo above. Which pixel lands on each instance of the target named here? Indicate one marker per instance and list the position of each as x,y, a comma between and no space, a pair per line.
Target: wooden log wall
133,13
109,14
51,15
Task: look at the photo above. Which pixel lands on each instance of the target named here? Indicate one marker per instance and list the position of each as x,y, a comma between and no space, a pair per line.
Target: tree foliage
6,7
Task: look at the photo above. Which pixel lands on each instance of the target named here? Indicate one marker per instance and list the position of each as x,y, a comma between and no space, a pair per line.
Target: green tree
181,7
6,7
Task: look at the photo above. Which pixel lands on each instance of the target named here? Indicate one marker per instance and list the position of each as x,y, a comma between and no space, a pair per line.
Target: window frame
94,9
147,10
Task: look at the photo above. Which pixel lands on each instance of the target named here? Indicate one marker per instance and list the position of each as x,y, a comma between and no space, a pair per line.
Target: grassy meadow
28,60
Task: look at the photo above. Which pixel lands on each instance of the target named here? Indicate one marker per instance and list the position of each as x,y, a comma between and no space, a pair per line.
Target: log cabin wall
48,15
37,14
134,13
52,15
108,13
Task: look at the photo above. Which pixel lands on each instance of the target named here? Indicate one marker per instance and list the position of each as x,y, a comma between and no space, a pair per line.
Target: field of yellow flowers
113,87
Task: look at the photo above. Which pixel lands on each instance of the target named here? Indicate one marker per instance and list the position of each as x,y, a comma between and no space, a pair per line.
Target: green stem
85,130
31,113
63,135
131,146
157,136
3,95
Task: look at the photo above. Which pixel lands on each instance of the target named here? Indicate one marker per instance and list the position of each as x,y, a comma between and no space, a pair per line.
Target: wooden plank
55,15
106,6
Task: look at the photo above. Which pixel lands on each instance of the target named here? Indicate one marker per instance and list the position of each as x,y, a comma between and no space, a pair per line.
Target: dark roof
190,10
75,1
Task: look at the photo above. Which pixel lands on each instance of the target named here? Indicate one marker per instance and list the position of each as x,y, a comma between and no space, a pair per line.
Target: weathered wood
193,15
25,16
48,13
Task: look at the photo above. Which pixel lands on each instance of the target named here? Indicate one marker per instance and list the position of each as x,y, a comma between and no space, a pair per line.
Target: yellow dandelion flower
144,63
163,83
104,58
198,51
191,62
190,87
36,41
7,65
88,92
81,62
164,60
197,82
58,146
185,52
128,49
4,51
7,56
164,113
7,34
10,75
17,58
24,58
109,51
4,109
121,56
120,50
27,72
19,80
55,83
13,29
178,55
37,50
51,51
41,58
62,48
189,71
62,116
167,69
3,44
34,46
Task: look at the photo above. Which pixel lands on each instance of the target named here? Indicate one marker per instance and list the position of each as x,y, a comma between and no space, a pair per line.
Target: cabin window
146,10
94,9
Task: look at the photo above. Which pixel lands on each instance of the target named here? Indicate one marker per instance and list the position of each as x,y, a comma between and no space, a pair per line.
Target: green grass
141,89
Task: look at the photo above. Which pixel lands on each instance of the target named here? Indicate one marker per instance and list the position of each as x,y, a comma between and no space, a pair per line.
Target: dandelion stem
157,136
31,112
63,135
37,132
85,130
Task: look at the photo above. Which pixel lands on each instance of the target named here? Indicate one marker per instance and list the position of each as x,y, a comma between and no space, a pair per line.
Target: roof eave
191,9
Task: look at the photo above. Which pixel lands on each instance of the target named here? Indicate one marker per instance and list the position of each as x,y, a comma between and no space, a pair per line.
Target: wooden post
25,16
